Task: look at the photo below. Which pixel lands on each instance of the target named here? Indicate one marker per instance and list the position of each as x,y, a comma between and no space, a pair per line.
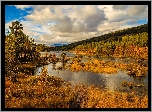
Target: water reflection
112,82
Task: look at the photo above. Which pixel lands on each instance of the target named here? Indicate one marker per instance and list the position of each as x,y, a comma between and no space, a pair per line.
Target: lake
111,82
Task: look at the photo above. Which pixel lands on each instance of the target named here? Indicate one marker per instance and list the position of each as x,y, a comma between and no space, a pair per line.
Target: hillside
117,35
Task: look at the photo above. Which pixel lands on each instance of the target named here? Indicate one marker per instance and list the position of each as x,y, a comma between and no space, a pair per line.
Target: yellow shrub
110,70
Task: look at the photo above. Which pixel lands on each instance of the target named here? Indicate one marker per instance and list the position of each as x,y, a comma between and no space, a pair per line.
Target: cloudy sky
55,24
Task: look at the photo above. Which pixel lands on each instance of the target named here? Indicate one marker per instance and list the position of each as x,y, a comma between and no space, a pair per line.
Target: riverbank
52,92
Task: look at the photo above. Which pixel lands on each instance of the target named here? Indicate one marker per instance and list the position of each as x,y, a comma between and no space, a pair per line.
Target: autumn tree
17,44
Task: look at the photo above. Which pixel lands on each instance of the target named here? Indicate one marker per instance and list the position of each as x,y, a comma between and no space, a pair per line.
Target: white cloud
22,7
63,26
120,7
107,27
116,16
51,24
134,10
87,15
41,17
92,16
40,7
33,30
105,7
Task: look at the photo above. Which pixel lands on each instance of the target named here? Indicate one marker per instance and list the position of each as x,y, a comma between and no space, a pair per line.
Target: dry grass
110,70
52,92
93,65
109,67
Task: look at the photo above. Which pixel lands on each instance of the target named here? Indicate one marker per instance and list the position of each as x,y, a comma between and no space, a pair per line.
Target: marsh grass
109,67
46,91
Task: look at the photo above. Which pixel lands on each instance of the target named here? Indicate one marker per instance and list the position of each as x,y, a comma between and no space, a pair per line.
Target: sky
64,24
